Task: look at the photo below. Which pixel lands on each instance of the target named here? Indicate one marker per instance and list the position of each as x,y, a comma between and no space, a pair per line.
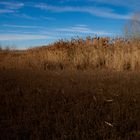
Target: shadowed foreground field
69,105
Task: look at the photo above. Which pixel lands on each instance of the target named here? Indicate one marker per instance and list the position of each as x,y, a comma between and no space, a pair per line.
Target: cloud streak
96,11
133,4
25,16
21,26
3,11
78,29
16,37
12,5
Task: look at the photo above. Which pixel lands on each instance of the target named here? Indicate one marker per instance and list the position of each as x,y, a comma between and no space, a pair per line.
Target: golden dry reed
100,52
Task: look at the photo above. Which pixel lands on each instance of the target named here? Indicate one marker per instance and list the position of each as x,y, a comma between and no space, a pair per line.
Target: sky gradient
25,24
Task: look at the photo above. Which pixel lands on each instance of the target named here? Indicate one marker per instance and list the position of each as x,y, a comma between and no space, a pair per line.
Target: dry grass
71,90
66,105
119,56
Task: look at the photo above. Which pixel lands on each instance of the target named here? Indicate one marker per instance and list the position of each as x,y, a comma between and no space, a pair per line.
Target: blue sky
26,23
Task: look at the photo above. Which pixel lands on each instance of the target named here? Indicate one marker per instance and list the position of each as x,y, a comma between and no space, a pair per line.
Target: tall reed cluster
117,54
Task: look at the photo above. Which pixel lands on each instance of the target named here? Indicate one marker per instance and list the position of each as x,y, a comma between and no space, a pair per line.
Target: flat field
69,105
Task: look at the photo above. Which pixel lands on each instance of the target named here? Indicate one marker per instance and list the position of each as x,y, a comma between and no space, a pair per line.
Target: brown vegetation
66,105
114,54
70,90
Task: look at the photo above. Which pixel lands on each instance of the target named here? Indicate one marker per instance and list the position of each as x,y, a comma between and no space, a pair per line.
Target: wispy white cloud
78,29
3,11
21,26
133,4
97,11
47,18
15,37
81,25
12,5
25,16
